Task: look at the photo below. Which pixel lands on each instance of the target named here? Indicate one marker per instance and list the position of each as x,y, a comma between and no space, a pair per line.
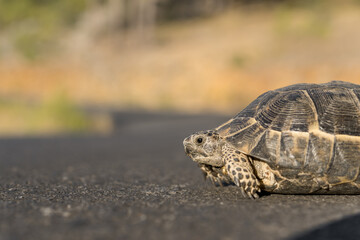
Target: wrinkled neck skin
209,154
218,158
224,149
210,168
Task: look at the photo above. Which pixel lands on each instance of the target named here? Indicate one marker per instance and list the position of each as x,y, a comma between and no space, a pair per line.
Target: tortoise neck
226,146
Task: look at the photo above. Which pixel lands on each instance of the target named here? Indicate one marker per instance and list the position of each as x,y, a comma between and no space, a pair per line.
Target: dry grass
55,116
218,64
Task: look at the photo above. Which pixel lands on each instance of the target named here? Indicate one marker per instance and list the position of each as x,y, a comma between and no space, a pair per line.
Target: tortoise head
204,147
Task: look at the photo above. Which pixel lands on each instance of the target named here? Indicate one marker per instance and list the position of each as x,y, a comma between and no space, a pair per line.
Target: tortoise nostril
188,150
188,146
186,142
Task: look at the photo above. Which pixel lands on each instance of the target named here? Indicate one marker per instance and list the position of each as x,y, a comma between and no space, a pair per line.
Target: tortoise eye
199,140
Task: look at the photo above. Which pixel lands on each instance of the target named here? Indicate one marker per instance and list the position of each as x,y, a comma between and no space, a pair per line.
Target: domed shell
312,128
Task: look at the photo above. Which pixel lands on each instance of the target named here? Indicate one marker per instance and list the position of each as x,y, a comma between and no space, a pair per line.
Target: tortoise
300,139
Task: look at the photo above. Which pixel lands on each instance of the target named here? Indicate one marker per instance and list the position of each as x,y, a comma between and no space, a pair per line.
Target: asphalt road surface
137,183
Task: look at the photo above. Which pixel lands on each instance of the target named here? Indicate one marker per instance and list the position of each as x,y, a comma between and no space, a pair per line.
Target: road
137,183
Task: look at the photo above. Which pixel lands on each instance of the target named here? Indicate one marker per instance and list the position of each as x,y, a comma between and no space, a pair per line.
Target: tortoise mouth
211,166
191,152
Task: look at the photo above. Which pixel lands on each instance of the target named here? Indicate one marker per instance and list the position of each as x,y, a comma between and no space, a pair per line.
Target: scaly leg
240,170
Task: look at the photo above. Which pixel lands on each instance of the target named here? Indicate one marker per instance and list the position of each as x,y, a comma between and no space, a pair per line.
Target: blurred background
65,64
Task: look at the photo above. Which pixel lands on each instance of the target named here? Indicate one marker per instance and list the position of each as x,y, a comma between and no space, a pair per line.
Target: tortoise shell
302,128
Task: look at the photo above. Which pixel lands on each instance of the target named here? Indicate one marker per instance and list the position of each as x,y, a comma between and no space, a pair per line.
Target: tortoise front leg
217,176
240,170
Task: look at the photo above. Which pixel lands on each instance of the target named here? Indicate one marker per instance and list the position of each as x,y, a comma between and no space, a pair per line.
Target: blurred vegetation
61,112
34,25
46,13
56,115
238,60
163,55
315,18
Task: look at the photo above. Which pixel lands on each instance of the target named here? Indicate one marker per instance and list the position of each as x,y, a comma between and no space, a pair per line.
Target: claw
243,192
212,180
250,195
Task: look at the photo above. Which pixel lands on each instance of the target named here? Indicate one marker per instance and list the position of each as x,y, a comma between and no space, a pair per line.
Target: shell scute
293,145
247,138
345,161
268,147
288,111
338,111
319,154
236,125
